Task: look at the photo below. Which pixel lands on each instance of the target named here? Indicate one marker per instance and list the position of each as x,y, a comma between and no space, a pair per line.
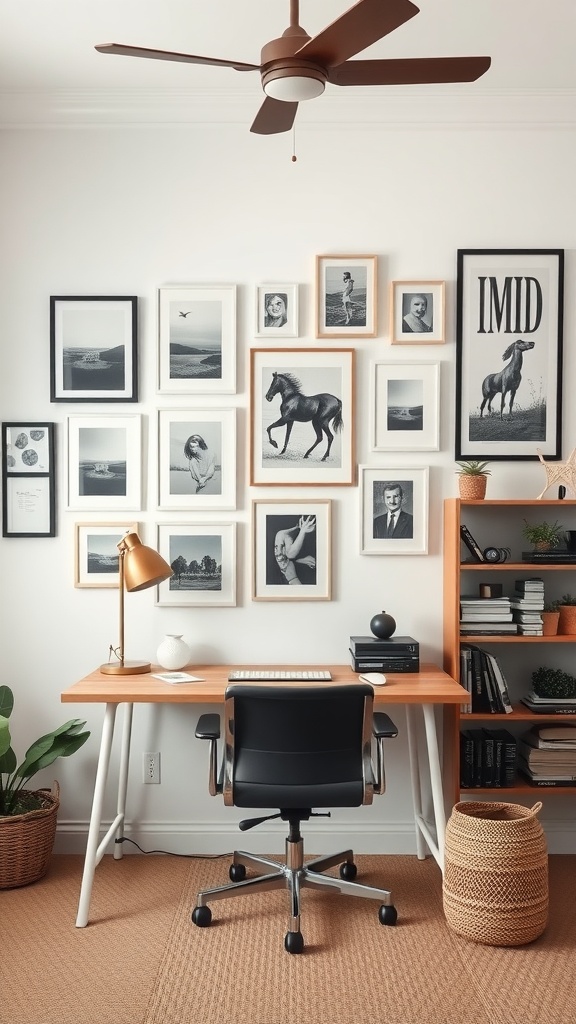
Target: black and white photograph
97,559
28,474
197,459
104,462
93,348
277,311
394,513
509,327
346,297
292,550
302,416
197,340
406,398
417,312
202,557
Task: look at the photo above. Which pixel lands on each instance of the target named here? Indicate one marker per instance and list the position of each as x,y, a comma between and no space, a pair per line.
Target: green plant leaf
6,701
38,757
8,762
4,736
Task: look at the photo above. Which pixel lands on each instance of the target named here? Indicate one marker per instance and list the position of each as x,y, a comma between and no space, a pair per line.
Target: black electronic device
373,646
496,555
385,663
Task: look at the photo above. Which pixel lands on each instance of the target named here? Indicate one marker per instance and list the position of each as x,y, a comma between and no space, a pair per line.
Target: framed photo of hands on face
417,312
291,550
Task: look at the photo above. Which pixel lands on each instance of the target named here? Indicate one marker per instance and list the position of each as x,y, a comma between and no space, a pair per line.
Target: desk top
428,686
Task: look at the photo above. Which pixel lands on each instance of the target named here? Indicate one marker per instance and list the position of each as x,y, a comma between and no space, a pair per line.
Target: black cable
168,853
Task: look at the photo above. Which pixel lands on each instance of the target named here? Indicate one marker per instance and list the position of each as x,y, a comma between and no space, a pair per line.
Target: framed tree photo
277,311
291,550
509,326
203,558
346,297
417,312
394,510
104,463
302,416
197,459
96,556
93,355
406,407
28,474
197,340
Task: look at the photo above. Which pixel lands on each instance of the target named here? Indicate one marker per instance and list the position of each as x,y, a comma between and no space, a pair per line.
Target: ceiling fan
296,67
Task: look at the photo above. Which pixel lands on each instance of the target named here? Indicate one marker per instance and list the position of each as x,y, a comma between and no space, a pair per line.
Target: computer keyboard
256,675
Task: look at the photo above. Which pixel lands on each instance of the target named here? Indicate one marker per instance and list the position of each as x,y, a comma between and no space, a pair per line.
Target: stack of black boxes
395,654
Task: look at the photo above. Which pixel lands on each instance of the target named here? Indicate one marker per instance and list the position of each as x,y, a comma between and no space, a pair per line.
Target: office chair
295,748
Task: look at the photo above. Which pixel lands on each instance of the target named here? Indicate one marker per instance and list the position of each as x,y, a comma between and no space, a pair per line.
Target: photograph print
417,312
197,459
93,348
28,475
346,297
406,400
203,559
509,324
291,545
277,311
104,462
302,416
197,340
97,560
394,512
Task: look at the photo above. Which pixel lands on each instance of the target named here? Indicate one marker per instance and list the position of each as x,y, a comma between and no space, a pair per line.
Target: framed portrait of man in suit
394,515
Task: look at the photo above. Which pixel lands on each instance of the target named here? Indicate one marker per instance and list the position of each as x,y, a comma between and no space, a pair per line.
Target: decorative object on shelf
173,652
567,609
553,684
496,555
559,473
550,618
383,625
472,480
544,536
495,887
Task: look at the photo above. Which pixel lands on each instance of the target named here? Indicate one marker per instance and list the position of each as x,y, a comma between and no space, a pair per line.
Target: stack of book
485,616
527,604
394,654
549,705
547,755
487,758
481,674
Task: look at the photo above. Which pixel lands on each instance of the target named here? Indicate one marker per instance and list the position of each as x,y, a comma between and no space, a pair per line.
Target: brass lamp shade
140,567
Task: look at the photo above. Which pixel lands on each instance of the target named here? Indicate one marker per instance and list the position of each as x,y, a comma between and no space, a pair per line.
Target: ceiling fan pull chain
294,157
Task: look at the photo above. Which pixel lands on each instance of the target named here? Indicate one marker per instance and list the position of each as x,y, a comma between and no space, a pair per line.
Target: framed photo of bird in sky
509,324
197,340
197,459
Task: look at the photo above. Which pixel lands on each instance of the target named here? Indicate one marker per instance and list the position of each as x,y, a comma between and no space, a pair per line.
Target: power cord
168,853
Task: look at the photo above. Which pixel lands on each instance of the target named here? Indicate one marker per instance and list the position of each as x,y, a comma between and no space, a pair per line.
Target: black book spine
488,759
498,762
478,739
479,694
466,760
471,544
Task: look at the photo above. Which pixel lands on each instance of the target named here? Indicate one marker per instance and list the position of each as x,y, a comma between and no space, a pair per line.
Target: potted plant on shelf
28,817
472,479
554,684
567,610
550,618
544,536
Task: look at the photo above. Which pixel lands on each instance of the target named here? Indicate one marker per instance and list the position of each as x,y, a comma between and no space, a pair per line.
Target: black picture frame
509,328
28,474
93,348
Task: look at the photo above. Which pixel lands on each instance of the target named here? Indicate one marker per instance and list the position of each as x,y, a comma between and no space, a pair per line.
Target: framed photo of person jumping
301,416
509,324
292,545
346,304
417,312
394,510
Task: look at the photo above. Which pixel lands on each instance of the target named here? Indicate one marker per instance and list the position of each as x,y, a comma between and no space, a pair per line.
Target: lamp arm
121,589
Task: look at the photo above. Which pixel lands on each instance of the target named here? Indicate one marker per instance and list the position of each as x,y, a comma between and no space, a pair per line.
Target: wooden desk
422,689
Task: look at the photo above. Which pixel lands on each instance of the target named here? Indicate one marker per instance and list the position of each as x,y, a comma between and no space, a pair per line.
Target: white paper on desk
177,677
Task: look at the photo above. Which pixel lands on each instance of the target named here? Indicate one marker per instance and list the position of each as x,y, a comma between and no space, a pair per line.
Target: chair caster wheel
348,871
293,942
237,872
387,915
202,916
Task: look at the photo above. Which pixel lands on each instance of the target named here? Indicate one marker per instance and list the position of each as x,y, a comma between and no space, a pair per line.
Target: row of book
488,758
555,556
481,674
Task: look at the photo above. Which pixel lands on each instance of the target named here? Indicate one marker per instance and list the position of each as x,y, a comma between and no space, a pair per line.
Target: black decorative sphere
382,625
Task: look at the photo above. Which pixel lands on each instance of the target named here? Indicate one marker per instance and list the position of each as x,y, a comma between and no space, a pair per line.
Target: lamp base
129,668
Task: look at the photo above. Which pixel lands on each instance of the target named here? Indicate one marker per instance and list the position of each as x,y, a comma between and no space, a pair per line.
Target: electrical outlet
151,767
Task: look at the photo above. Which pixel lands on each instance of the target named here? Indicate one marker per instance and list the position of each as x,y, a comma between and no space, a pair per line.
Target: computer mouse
374,678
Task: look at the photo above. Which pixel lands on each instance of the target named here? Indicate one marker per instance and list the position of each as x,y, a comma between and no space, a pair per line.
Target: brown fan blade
186,58
274,116
409,71
359,27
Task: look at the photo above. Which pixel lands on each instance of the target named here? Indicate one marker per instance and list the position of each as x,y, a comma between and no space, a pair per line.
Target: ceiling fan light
293,85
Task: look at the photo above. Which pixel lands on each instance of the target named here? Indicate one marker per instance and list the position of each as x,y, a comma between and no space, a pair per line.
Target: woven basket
26,841
495,888
472,487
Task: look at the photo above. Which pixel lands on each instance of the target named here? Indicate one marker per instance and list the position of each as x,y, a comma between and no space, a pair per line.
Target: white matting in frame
197,340
417,312
404,491
197,459
97,559
203,557
346,297
292,547
104,463
277,311
406,400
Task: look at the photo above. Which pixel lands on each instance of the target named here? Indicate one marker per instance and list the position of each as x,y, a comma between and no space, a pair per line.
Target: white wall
126,209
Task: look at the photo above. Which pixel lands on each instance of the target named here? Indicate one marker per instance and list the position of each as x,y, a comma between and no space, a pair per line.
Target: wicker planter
495,888
472,487
26,841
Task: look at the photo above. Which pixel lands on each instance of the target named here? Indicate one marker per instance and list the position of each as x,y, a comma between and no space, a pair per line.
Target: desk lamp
140,567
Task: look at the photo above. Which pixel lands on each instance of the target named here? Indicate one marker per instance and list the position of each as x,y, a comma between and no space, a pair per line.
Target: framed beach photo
292,544
346,304
93,356
203,557
104,463
406,407
28,474
417,312
277,311
394,510
96,556
302,416
197,340
197,459
509,326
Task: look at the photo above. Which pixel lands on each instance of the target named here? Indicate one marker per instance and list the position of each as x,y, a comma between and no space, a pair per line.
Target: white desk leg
91,858
123,778
435,782
415,780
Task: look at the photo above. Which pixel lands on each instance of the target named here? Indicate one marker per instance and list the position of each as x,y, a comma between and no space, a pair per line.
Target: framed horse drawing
302,416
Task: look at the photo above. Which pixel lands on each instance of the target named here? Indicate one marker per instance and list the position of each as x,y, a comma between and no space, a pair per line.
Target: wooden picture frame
197,459
408,488
93,348
104,460
28,475
96,555
406,406
292,544
197,340
276,311
203,557
346,296
417,312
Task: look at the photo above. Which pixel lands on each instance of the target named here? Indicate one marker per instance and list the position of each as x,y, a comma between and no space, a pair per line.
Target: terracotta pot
567,621
472,488
550,623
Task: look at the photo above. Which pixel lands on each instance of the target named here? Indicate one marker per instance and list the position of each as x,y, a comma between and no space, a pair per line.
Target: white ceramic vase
173,653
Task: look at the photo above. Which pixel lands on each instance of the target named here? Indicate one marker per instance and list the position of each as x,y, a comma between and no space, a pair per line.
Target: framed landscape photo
28,473
292,544
197,459
96,556
203,557
104,463
301,416
277,311
406,407
509,326
93,348
394,510
197,340
346,304
417,312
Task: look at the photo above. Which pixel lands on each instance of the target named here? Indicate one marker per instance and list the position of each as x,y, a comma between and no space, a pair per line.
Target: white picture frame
197,340
96,555
104,463
346,296
412,528
276,311
417,312
279,571
196,459
209,551
405,406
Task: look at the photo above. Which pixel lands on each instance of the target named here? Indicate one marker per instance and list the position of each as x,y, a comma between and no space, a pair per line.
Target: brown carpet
141,961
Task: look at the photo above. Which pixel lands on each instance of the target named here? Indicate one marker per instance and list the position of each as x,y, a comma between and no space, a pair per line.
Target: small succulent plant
473,468
553,683
544,534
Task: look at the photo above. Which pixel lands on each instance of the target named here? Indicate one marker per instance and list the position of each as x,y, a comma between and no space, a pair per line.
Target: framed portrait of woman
346,297
277,311
197,459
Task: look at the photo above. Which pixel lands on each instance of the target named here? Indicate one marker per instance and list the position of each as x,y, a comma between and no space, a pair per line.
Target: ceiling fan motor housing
280,69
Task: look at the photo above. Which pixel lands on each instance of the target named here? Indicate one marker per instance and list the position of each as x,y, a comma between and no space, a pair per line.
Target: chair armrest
208,727
382,726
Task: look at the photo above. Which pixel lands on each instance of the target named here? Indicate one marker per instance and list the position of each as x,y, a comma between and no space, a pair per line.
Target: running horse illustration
298,408
507,381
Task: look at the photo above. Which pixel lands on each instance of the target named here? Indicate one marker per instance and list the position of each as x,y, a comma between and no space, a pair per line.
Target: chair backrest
298,746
